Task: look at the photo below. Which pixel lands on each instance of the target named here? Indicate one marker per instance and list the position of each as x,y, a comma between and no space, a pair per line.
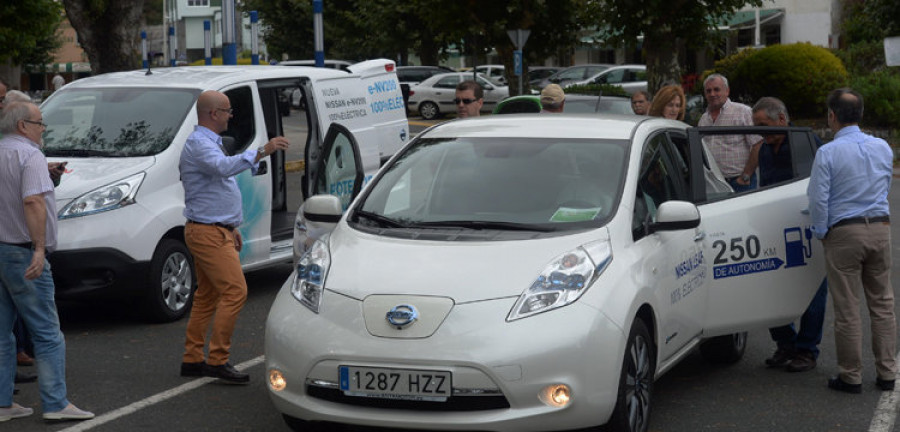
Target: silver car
434,96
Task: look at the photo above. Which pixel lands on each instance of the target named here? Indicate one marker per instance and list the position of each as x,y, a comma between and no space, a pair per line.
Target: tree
28,31
108,30
663,23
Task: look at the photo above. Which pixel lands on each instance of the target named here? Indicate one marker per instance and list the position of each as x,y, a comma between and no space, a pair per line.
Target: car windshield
537,184
604,105
115,122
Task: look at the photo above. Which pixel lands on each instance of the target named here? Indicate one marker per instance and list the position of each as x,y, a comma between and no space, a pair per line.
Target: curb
295,166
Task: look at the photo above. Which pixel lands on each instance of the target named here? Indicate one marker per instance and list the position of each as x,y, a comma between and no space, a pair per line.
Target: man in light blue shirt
848,191
212,206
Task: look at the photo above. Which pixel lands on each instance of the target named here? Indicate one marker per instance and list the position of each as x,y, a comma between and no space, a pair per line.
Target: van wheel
725,349
172,282
632,411
429,110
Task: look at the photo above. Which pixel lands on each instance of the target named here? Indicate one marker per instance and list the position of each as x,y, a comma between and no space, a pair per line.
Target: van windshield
114,122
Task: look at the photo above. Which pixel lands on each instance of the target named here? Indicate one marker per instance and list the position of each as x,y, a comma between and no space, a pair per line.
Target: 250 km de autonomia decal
729,255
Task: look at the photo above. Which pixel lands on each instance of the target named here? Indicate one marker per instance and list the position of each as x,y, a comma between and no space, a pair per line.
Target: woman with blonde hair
669,103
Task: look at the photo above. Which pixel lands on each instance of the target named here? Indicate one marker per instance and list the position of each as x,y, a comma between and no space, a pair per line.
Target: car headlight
309,280
564,280
109,197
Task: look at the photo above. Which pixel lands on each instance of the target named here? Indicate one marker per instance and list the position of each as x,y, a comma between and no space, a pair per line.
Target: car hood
364,264
86,174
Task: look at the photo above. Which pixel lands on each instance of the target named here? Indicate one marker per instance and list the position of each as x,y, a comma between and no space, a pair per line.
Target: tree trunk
108,31
662,62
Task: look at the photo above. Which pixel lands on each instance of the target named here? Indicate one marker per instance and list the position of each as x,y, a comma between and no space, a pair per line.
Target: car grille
453,403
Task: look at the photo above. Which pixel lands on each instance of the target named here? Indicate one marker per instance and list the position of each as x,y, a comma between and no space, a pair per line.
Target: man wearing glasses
212,206
27,235
469,99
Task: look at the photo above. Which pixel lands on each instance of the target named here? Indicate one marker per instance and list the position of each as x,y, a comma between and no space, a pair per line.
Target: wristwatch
745,177
261,152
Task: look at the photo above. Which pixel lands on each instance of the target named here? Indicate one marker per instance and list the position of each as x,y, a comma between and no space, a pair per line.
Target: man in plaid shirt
736,155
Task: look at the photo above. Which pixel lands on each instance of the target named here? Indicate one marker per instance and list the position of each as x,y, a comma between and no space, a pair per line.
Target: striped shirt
23,173
730,151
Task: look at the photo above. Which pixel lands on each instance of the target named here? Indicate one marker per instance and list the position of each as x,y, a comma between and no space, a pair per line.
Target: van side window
241,127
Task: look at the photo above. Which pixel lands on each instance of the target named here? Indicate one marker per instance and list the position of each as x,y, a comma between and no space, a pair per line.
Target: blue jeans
34,302
810,334
742,188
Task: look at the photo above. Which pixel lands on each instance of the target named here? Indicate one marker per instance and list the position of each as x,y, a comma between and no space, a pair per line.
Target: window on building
198,2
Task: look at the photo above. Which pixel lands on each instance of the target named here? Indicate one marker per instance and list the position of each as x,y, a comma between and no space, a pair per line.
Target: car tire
725,349
633,403
172,282
429,110
299,425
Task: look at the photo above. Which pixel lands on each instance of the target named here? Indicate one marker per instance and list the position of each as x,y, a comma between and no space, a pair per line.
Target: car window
241,126
613,77
594,70
571,74
448,82
662,178
527,181
117,122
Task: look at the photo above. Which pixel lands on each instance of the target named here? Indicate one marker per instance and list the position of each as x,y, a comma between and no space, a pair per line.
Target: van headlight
564,280
309,279
109,197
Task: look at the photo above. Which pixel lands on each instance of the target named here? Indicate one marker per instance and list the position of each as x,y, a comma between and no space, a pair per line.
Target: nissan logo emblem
403,315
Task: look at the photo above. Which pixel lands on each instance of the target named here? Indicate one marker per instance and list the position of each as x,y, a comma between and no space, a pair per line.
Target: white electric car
533,273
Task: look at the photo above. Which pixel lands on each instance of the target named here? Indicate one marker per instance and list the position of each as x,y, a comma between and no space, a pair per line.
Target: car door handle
700,236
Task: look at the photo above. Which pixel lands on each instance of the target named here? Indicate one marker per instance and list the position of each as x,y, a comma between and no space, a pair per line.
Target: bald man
212,206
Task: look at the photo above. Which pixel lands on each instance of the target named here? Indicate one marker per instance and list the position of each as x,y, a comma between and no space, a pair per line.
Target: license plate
389,383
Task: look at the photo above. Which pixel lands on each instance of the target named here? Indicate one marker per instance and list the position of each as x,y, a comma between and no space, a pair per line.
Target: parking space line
886,411
153,400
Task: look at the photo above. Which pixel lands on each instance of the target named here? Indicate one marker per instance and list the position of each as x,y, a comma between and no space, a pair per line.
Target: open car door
765,264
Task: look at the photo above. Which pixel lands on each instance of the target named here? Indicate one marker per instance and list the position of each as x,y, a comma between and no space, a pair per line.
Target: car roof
617,127
200,77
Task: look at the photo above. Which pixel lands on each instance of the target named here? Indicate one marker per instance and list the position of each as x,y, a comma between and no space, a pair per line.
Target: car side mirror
323,208
488,87
317,217
676,215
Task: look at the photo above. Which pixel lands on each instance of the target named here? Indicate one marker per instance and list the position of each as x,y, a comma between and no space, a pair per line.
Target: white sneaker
14,411
70,412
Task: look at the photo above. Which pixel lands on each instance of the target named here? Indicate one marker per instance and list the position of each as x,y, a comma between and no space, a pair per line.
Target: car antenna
599,96
148,65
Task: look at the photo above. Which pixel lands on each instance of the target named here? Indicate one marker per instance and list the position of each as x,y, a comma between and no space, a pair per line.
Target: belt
862,220
218,224
21,245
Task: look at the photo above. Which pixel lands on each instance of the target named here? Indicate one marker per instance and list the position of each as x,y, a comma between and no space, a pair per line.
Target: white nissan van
121,200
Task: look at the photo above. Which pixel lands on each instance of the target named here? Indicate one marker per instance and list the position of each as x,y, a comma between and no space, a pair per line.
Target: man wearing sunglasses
469,99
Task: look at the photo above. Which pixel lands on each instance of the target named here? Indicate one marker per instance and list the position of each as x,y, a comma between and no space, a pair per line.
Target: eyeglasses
228,110
43,125
464,101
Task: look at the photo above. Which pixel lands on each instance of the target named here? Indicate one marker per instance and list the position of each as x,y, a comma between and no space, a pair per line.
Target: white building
188,16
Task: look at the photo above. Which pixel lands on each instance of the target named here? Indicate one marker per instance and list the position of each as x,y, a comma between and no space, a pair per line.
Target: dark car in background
536,74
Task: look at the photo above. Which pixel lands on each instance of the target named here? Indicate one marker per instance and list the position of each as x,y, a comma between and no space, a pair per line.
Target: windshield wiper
485,225
77,152
383,221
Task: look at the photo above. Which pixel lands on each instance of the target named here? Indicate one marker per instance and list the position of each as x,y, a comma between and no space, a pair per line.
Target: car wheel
172,282
632,411
429,110
725,349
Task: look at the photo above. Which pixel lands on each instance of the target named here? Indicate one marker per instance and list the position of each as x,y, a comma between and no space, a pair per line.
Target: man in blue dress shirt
212,206
848,192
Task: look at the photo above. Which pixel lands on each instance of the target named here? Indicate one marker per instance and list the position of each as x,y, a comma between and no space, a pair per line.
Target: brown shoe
801,362
23,359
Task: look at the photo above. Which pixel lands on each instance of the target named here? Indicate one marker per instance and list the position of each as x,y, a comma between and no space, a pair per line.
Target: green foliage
881,93
863,58
28,30
597,89
799,74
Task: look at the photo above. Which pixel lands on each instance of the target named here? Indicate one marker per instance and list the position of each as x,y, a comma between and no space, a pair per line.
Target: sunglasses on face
464,101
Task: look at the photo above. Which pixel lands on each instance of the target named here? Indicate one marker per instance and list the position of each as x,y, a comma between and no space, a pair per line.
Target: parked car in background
412,75
571,75
632,78
434,96
575,104
494,72
536,74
